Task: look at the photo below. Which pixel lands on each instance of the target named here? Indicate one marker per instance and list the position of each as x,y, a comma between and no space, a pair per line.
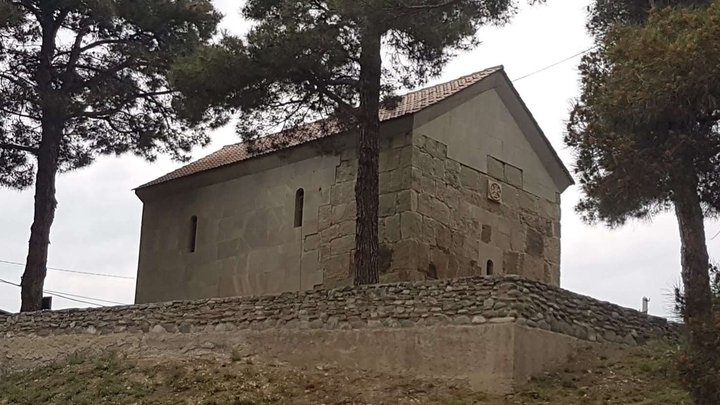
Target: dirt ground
602,375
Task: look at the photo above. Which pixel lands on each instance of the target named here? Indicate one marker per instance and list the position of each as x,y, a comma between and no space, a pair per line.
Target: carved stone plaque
494,191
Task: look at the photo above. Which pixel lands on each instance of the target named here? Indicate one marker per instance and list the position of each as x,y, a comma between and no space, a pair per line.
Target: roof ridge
493,69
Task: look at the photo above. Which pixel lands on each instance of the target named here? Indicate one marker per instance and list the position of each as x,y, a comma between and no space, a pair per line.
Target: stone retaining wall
469,301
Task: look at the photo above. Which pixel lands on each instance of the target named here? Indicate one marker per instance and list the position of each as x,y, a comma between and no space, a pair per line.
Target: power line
69,296
555,64
87,273
82,296
74,299
57,295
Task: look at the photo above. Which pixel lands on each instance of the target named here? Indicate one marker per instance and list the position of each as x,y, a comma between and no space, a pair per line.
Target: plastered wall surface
246,241
484,355
481,127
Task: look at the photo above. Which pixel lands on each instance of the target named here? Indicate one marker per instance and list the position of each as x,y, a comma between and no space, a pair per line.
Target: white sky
97,225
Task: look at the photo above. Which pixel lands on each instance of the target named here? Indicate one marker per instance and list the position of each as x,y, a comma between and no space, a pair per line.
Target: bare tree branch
27,4
102,73
15,80
122,105
12,146
429,6
75,53
103,42
343,82
321,87
19,114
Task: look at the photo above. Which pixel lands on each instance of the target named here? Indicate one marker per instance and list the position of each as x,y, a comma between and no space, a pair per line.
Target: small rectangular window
193,233
299,206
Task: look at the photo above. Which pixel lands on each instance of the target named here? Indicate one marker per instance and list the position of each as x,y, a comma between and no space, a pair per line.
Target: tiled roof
410,103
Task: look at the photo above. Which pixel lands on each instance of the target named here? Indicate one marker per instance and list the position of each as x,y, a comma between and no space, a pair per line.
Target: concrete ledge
492,357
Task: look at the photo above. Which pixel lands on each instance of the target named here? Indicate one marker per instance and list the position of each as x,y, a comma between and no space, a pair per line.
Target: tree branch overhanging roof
409,104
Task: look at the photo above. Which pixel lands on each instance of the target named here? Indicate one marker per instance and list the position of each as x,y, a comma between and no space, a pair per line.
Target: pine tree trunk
53,107
36,265
694,255
698,311
367,185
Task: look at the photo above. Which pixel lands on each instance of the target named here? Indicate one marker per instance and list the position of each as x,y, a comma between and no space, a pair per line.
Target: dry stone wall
470,302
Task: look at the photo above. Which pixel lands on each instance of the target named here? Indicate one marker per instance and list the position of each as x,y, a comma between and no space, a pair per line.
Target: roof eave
146,191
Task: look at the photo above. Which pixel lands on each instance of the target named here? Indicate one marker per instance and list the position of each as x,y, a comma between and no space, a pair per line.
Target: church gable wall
457,229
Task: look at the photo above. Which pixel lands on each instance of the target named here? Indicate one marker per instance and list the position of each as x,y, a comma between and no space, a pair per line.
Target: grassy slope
598,376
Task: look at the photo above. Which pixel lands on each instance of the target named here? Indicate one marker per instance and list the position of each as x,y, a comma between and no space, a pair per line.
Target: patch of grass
77,380
76,357
612,375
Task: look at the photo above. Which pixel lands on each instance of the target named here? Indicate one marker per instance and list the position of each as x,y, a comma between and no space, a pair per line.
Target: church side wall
246,239
456,230
247,243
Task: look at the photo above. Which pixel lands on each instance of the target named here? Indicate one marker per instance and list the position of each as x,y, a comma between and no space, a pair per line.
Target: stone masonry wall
436,221
335,240
453,230
469,301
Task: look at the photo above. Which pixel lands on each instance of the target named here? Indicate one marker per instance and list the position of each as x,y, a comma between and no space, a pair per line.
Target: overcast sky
97,227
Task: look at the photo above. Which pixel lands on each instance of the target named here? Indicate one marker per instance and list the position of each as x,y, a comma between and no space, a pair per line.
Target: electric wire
69,296
87,273
55,295
716,235
82,296
554,64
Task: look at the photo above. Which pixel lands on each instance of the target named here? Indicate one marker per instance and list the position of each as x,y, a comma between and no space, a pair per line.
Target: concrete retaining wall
491,357
493,331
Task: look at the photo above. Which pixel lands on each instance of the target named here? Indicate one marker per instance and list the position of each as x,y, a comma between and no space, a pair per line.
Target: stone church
469,185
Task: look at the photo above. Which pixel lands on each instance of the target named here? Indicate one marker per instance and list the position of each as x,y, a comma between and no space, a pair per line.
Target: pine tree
647,139
82,78
323,60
